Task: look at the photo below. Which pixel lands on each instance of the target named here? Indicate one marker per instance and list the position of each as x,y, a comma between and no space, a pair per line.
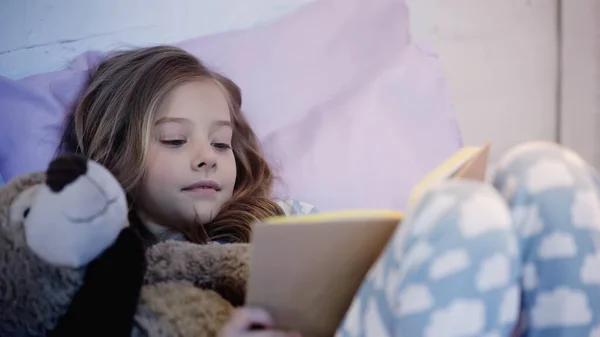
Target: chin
204,215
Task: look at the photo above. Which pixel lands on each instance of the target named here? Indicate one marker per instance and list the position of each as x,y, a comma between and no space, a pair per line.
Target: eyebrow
216,124
171,120
223,123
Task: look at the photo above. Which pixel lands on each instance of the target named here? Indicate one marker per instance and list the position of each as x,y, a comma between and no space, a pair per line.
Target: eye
221,146
26,212
174,142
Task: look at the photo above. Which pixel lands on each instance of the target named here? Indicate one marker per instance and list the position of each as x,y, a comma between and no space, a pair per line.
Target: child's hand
252,322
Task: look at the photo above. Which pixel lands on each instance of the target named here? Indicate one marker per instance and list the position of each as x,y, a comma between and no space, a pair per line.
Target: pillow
295,64
350,113
369,146
31,119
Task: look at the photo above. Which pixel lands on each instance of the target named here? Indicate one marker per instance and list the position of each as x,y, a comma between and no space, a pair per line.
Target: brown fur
192,288
179,308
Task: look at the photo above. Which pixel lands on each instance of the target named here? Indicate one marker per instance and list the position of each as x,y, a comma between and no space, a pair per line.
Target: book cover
305,269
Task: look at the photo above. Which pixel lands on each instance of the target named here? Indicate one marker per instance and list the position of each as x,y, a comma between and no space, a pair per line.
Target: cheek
158,170
159,176
156,187
231,169
159,162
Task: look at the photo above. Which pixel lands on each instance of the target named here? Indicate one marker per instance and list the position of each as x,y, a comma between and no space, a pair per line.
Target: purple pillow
350,112
370,144
31,117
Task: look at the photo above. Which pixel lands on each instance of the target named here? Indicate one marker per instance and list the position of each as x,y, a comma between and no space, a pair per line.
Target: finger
242,319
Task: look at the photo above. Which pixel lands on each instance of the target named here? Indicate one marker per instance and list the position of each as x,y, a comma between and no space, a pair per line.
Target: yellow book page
335,216
446,170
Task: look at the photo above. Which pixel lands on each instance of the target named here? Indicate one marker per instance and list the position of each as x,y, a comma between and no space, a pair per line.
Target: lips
203,185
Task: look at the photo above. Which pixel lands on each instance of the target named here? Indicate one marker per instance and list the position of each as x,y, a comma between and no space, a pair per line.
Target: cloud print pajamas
517,257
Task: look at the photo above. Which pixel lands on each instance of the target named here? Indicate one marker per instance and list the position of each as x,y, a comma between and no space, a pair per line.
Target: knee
537,167
475,207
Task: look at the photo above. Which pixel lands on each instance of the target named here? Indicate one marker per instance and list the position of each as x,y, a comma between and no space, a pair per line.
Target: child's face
191,167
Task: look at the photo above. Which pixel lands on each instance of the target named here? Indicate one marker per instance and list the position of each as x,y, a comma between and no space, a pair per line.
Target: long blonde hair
112,120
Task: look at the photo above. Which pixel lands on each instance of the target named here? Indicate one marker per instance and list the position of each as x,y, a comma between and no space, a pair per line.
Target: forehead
202,100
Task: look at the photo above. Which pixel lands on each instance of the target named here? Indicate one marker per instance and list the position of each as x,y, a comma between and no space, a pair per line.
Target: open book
306,269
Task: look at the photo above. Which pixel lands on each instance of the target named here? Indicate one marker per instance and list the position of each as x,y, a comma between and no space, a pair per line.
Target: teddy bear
72,265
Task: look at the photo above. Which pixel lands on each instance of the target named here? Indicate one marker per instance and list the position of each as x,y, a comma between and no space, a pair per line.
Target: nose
208,164
65,170
205,159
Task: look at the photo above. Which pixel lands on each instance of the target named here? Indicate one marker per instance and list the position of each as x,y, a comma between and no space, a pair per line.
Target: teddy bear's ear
76,214
16,198
21,205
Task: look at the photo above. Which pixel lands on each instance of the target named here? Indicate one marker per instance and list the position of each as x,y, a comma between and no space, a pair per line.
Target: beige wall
500,58
519,69
580,99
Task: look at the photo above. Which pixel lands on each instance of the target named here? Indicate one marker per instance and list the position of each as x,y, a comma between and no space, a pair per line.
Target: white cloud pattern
420,252
528,221
436,208
590,270
548,174
512,247
493,273
473,222
415,299
398,241
519,151
448,263
557,245
377,274
509,308
451,322
494,333
530,279
595,332
353,319
392,286
374,326
585,211
546,315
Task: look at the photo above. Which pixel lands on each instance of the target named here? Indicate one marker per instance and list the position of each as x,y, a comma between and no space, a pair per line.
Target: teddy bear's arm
223,268
179,308
106,303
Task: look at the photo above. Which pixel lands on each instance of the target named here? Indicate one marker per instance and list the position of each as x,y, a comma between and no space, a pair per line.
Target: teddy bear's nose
64,170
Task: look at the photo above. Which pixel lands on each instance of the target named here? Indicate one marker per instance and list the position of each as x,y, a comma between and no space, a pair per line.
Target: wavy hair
112,121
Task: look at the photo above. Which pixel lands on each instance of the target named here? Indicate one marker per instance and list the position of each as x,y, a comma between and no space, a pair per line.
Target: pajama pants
517,256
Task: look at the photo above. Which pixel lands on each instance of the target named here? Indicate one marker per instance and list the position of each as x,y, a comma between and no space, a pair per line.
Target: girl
472,259
172,133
